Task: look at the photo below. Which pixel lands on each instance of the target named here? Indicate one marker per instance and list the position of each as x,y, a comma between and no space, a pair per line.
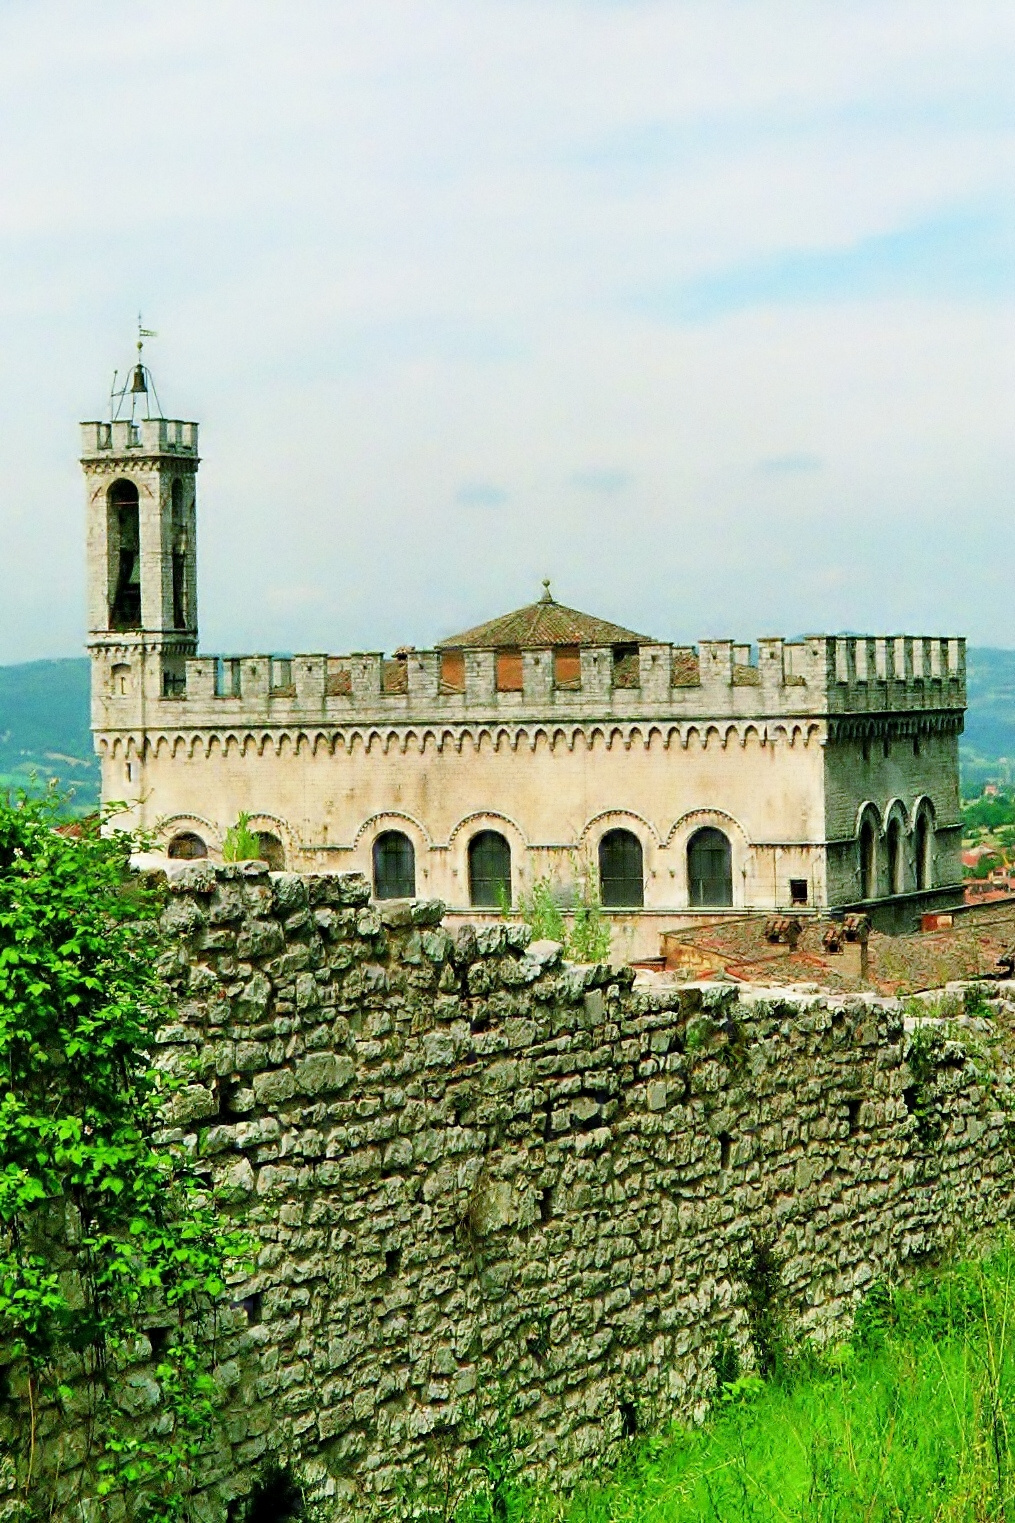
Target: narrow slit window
125,556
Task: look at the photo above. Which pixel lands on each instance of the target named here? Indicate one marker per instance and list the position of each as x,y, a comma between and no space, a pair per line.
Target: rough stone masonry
498,1194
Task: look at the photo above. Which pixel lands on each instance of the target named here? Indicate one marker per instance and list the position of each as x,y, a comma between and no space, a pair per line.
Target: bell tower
140,476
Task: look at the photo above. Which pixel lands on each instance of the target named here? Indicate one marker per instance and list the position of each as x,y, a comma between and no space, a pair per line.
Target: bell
140,384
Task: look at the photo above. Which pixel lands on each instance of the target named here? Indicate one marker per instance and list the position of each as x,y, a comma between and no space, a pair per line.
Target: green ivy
105,1231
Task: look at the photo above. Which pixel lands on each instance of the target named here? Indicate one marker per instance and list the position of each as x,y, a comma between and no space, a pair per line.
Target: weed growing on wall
241,844
109,1249
587,938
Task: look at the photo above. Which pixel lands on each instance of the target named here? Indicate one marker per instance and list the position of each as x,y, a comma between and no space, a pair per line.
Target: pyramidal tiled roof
543,624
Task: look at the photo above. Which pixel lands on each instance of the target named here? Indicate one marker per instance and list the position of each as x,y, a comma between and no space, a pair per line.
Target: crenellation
816,677
103,442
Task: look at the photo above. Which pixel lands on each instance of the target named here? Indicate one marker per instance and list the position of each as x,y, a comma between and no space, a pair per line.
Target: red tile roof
542,624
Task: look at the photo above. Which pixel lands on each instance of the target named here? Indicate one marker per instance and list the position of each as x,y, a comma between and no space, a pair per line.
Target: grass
910,1422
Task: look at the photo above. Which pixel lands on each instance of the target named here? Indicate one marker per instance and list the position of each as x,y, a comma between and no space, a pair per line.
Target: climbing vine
111,1251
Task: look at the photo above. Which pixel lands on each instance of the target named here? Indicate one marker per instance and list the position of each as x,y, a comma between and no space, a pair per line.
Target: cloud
481,494
293,599
790,465
632,269
962,256
606,482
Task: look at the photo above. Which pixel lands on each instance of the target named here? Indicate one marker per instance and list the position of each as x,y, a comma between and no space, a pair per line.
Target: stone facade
492,1188
828,766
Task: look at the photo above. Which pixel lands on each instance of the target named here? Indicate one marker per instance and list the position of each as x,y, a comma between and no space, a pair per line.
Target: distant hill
44,728
44,724
988,745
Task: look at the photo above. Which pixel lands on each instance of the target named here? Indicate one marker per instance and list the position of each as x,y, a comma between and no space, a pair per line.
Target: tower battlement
149,436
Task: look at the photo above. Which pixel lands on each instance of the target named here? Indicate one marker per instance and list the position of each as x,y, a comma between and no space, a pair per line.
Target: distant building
691,782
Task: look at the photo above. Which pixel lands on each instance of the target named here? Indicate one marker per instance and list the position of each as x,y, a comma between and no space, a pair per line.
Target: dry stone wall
503,1200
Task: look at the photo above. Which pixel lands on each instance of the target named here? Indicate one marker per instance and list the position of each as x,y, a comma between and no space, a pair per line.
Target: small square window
798,891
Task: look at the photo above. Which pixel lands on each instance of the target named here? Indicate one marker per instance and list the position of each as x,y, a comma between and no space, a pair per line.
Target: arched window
896,861
394,866
271,850
621,871
868,860
124,556
923,849
186,847
710,867
489,870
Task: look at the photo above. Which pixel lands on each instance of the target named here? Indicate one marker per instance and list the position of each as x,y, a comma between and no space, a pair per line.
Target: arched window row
621,869
896,874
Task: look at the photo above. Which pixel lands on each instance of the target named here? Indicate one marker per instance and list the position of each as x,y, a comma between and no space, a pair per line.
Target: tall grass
911,1421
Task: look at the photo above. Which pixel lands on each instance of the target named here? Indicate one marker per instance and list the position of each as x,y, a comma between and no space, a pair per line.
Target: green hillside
988,745
44,724
44,729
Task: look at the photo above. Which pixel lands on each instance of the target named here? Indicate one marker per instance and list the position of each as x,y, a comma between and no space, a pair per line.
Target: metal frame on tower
138,384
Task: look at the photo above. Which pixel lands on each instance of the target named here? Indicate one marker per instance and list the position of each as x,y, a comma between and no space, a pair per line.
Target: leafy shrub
100,1228
543,908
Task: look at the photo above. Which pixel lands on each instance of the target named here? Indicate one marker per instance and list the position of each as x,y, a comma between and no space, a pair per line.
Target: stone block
275,1088
323,1073
260,938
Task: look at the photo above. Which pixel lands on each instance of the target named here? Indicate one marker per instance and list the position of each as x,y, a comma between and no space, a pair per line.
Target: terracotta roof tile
542,624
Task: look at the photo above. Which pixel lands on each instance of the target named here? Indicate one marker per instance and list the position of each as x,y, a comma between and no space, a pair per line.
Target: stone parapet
718,680
103,442
495,1193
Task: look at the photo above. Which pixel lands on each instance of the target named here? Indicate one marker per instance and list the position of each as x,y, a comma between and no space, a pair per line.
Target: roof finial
547,594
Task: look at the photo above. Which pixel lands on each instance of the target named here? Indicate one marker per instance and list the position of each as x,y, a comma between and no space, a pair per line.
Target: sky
701,308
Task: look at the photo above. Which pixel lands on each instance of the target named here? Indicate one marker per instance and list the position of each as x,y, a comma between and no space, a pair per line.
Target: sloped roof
543,624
